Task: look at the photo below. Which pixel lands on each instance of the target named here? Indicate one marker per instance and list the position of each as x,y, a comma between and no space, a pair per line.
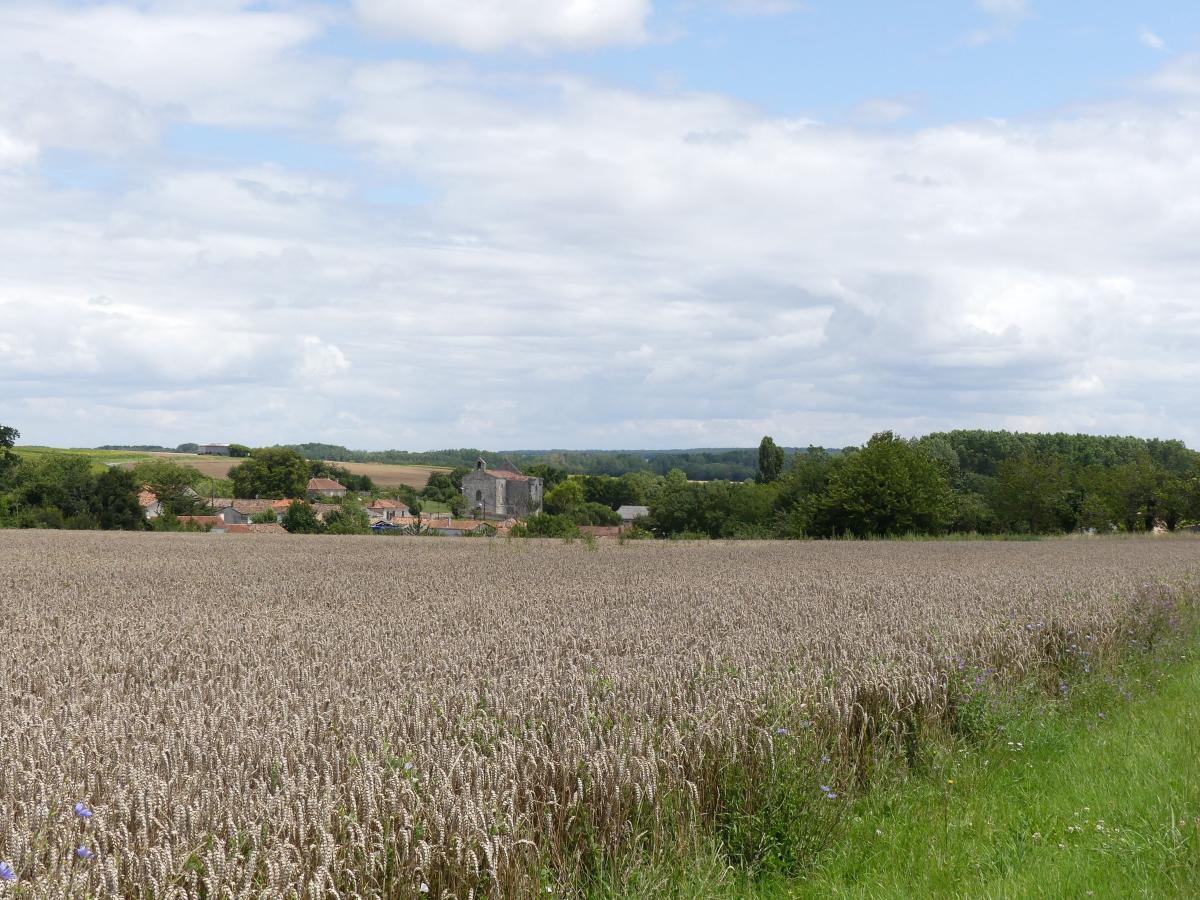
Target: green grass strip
1095,797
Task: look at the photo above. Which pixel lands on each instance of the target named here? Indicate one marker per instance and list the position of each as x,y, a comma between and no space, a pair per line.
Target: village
498,499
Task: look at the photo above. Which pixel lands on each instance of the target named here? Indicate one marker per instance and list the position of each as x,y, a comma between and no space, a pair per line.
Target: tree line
981,482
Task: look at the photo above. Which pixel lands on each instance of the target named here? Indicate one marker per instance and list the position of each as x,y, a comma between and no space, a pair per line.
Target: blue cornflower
783,732
831,796
6,872
83,852
824,789
82,811
825,760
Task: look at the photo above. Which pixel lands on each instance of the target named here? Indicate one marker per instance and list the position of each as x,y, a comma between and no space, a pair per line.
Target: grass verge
1091,790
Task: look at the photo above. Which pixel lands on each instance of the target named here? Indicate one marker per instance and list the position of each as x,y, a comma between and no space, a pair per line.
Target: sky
647,224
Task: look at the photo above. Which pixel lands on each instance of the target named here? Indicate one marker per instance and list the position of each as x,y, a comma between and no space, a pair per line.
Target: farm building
501,492
325,487
214,450
630,514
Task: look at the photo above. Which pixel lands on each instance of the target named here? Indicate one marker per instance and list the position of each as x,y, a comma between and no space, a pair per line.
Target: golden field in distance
385,475
289,716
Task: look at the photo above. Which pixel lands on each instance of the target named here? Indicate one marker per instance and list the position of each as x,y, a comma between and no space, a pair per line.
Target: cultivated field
383,474
290,716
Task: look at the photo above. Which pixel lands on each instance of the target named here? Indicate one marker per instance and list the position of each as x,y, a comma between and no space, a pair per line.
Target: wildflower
424,888
6,872
949,781
782,732
1037,835
824,760
825,789
408,767
832,795
83,852
82,811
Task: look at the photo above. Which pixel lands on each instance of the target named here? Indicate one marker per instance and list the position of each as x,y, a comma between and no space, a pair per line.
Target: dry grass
298,716
383,474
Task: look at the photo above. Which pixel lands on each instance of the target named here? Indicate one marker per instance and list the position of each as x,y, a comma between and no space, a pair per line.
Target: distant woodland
956,482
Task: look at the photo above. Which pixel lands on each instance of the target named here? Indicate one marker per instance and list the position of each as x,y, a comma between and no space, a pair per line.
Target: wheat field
200,716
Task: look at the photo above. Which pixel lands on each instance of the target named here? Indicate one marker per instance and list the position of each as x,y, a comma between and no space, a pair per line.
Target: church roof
508,476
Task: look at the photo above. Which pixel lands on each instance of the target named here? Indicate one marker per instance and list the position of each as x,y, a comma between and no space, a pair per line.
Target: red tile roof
324,484
508,476
384,503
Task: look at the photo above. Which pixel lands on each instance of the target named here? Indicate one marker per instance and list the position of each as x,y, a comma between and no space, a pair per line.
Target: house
240,512
630,514
151,506
214,450
386,510
324,487
501,493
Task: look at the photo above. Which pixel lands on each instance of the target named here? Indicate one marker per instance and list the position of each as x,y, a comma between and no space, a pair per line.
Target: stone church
502,492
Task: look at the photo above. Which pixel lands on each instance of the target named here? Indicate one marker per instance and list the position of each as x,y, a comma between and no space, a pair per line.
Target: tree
564,498
1031,495
174,485
551,476
547,526
443,487
115,502
63,482
273,473
8,440
594,514
675,509
350,518
890,487
770,461
301,518
265,517
239,451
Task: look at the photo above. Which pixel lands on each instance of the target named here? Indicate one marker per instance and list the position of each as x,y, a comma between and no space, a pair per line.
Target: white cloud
1006,16
207,63
765,7
1150,39
1004,9
319,361
884,110
592,266
1179,76
483,25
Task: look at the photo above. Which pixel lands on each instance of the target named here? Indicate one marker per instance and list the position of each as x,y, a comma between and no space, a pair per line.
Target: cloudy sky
596,223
